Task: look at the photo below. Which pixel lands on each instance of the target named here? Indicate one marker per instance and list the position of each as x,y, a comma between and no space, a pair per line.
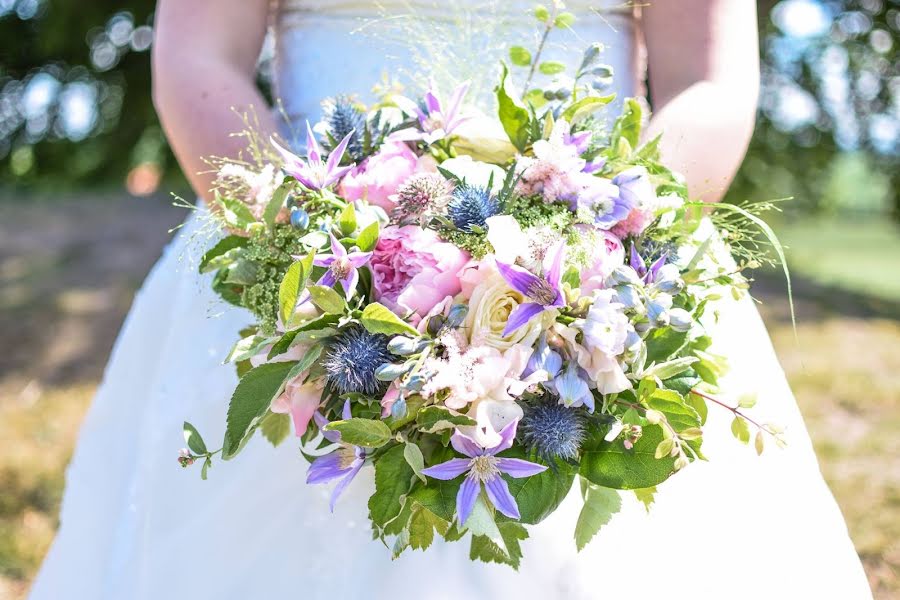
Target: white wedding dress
134,525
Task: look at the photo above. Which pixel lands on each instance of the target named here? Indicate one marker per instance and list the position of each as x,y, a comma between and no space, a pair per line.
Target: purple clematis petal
313,152
431,101
326,468
334,159
521,315
451,469
321,422
594,166
518,468
328,279
507,437
654,269
358,259
346,414
553,263
337,248
324,260
465,499
636,262
498,492
519,279
349,282
343,483
465,445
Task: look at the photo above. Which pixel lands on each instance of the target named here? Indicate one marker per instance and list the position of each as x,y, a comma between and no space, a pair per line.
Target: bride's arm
204,63
703,61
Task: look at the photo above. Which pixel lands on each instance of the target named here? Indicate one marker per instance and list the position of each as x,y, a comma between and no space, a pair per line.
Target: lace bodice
328,47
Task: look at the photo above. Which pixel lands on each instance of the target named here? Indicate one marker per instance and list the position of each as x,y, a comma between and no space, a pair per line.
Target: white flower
483,139
475,172
507,238
606,325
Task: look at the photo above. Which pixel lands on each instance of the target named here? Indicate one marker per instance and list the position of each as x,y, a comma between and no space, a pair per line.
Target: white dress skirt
134,525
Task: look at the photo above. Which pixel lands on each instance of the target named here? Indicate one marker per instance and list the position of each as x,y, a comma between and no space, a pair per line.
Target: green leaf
551,67
235,212
485,550
276,203
586,107
683,383
321,324
327,299
347,220
600,504
435,418
368,237
193,439
249,402
646,496
481,522
670,368
513,116
564,20
413,404
222,249
362,432
610,464
519,56
414,459
535,98
204,471
628,125
740,430
539,495
438,496
241,272
275,427
377,318
393,477
247,347
289,291
311,356
541,13
678,412
664,343
422,526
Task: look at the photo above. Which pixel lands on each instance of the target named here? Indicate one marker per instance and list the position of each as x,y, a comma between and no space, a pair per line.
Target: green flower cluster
272,253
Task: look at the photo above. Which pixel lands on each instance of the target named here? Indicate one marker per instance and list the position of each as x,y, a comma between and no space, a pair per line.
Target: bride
134,525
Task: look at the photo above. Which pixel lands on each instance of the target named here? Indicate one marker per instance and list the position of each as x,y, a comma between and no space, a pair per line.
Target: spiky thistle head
342,116
352,358
553,431
422,194
471,205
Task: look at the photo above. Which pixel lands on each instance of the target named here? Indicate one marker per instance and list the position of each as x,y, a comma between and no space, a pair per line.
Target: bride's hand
204,69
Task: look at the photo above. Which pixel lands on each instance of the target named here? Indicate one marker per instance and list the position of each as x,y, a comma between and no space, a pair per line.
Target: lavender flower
342,266
437,120
313,173
573,388
483,466
343,464
544,293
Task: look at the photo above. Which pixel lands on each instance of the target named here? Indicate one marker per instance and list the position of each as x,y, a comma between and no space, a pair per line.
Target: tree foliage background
76,111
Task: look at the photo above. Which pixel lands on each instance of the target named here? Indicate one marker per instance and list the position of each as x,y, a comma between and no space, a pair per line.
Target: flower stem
540,48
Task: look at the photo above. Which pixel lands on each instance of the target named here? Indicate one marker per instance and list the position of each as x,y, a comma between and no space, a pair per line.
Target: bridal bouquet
483,310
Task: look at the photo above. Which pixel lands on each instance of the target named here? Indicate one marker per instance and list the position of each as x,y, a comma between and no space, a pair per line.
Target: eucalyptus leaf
519,56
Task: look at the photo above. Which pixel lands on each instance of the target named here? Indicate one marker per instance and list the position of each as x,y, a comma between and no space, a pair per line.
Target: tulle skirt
136,525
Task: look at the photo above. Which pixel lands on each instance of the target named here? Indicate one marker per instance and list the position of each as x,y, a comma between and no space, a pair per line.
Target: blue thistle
553,431
342,117
352,358
472,205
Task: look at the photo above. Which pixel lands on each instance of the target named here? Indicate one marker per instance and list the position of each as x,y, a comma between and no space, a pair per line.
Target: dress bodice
329,47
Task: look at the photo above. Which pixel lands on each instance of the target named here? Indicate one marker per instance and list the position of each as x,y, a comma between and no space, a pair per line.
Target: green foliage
600,504
519,56
393,478
610,464
362,432
327,299
293,283
438,496
193,439
377,318
539,495
514,117
436,418
275,427
249,402
486,550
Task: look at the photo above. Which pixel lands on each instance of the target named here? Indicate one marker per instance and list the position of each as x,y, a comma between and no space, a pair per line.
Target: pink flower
634,224
378,177
609,253
413,270
300,400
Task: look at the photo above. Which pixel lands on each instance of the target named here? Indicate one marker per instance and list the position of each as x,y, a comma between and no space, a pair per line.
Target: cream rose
491,302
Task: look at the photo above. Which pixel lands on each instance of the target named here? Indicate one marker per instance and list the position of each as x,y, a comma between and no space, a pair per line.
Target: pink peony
377,178
634,224
608,254
413,270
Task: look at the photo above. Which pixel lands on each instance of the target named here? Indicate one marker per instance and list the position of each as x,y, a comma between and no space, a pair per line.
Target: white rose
491,303
475,172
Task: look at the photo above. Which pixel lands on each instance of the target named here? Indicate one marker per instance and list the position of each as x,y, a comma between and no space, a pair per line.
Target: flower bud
435,324
399,408
457,315
624,275
299,218
629,297
658,310
402,346
392,371
414,383
668,280
680,319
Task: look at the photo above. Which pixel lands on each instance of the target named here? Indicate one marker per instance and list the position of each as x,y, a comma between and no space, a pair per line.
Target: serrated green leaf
646,496
628,126
223,247
551,67
435,418
663,343
241,272
678,412
249,402
421,529
393,477
377,318
327,299
289,291
539,495
275,427
438,496
485,550
519,56
321,324
347,220
276,202
368,237
247,347
610,464
585,107
740,430
513,116
306,361
368,433
600,504
414,459
193,439
670,368
235,212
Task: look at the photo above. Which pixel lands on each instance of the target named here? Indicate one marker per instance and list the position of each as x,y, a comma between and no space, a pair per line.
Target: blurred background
85,174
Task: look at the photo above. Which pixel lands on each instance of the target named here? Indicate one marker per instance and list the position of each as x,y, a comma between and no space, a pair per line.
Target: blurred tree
831,88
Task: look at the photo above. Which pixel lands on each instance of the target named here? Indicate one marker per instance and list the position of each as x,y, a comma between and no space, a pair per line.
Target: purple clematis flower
313,173
344,463
647,274
437,120
544,293
342,266
483,466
